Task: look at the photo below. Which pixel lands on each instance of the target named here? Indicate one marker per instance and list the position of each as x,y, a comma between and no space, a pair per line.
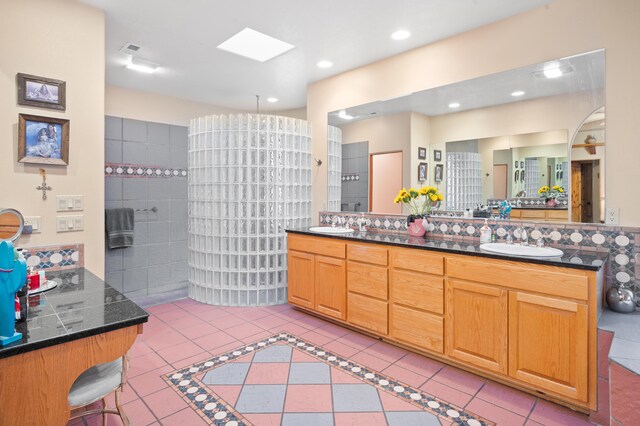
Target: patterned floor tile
261,399
309,373
411,418
307,419
355,398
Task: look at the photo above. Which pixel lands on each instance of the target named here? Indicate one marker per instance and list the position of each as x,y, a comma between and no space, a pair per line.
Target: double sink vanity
527,322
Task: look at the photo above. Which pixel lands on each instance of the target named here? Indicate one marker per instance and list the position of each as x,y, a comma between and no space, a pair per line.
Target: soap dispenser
485,233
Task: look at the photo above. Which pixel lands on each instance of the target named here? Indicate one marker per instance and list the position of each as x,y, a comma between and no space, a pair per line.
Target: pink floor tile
227,322
292,314
254,315
308,399
357,340
164,403
290,328
213,317
498,415
264,419
268,373
458,379
360,419
370,361
229,393
138,413
214,340
144,364
183,418
299,356
172,315
315,338
310,322
189,321
339,376
332,330
404,375
386,351
420,364
202,356
226,348
198,330
150,382
393,403
127,395
603,413
508,398
243,330
340,349
178,352
165,339
139,348
446,393
165,307
550,414
256,337
270,322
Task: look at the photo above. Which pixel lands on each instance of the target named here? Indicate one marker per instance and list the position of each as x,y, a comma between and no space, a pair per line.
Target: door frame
371,154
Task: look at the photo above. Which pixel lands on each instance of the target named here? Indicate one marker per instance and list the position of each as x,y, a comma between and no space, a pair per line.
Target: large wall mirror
505,136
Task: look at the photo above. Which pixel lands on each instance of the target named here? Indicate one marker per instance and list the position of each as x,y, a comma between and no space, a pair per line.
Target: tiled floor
183,333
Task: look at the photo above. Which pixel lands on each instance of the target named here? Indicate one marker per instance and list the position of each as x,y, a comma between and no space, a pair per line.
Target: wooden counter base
34,386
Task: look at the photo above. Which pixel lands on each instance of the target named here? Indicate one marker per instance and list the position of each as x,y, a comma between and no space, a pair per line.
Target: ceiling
182,37
587,75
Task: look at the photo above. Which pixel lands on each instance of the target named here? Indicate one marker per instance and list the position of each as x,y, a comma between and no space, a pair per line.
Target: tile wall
146,167
623,243
355,177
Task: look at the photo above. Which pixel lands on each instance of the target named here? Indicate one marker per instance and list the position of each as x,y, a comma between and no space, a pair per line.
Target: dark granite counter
82,305
574,258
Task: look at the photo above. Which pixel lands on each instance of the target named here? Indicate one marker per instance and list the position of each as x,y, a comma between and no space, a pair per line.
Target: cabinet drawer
367,253
557,214
367,312
417,260
417,328
541,278
532,214
317,245
418,290
367,279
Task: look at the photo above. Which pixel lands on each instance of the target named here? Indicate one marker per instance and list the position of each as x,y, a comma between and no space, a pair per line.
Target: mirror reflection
11,224
519,135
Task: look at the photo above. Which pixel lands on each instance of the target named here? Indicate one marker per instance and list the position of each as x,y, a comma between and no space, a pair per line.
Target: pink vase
551,202
416,229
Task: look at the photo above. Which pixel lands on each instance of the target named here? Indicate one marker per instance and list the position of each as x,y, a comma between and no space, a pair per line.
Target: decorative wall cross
44,187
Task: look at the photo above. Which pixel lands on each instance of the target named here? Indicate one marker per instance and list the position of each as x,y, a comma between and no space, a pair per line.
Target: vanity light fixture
255,45
325,64
454,105
400,35
517,93
272,100
141,65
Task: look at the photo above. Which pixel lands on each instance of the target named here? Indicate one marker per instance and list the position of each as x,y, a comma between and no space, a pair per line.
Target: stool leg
123,416
104,415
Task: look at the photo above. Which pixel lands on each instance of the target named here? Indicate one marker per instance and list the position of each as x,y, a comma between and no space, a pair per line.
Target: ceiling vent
130,48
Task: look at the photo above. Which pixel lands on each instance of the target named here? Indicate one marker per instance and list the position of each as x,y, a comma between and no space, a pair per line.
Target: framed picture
516,164
43,140
422,153
517,176
41,92
438,173
522,164
437,155
422,172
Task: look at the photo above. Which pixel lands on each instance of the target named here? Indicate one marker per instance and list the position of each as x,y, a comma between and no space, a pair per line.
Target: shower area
249,180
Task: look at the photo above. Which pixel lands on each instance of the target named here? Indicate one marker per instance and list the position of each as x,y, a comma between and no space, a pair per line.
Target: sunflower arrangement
550,193
419,201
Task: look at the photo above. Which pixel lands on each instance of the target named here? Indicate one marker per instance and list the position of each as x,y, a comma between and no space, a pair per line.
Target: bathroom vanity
526,322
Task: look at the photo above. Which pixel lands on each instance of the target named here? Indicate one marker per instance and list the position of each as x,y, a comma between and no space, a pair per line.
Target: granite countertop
572,258
625,347
82,305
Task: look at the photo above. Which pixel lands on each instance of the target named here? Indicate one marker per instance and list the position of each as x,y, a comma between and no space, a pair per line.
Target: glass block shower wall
531,176
334,168
249,179
464,180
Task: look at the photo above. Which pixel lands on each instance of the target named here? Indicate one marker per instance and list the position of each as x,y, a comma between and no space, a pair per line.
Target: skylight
255,45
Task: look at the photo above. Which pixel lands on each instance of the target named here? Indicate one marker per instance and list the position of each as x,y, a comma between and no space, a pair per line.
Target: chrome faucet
524,239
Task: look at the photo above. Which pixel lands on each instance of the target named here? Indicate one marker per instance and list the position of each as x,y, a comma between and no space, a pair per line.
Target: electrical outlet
612,216
35,222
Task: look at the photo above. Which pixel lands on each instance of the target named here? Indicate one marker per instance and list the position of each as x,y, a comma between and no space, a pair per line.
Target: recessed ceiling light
255,45
552,70
517,93
325,64
454,105
400,35
272,100
141,65
343,114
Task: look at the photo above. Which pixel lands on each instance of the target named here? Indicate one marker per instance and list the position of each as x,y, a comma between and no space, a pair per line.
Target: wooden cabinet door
330,286
476,326
417,328
301,278
548,343
367,312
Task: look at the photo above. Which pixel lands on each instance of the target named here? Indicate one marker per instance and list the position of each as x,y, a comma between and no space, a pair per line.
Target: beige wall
60,39
562,28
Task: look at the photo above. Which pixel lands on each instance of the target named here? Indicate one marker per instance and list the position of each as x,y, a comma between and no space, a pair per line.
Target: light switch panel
70,223
70,203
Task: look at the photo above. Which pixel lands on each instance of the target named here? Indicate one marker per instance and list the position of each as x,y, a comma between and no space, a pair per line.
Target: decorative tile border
216,411
623,243
563,202
141,171
55,258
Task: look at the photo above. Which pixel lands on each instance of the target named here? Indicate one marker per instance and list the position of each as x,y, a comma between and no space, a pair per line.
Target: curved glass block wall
464,180
334,168
249,180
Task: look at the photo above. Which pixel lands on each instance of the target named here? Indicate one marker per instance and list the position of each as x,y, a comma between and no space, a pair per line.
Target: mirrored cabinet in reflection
534,136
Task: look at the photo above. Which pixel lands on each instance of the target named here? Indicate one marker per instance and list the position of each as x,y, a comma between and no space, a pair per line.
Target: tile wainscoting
623,243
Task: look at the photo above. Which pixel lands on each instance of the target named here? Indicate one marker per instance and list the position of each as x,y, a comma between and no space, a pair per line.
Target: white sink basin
532,251
330,230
